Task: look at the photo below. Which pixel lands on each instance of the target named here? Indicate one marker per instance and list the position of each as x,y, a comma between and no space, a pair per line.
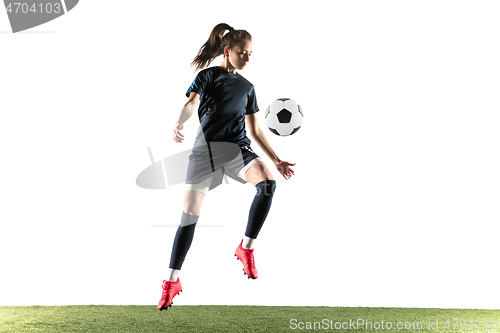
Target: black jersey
225,99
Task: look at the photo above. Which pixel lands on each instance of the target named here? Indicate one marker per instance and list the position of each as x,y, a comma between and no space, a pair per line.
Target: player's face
240,54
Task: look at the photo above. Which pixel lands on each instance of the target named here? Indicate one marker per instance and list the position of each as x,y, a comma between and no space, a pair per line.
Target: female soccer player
227,103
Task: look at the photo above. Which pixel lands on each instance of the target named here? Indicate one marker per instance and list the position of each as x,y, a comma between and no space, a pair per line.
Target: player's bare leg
258,172
193,201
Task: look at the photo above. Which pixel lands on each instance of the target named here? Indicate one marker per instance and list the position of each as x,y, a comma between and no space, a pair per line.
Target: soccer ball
284,117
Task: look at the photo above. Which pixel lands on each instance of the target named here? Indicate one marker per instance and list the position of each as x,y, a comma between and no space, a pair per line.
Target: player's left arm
258,136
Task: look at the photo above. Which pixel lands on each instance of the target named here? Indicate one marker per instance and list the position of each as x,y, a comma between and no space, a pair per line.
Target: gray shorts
207,169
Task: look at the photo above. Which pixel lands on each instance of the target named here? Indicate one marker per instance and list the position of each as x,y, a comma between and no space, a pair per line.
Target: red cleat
170,290
246,257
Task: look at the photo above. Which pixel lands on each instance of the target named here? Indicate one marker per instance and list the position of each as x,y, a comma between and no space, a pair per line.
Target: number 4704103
464,324
24,8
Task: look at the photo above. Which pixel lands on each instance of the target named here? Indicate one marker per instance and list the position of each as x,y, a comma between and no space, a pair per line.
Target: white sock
247,242
173,274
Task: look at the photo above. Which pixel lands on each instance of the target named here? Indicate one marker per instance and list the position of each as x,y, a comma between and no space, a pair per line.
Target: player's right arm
186,112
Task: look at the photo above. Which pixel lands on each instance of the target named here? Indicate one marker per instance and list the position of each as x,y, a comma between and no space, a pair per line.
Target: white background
395,198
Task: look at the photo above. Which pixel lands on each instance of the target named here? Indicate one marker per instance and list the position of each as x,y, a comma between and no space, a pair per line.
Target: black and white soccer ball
284,117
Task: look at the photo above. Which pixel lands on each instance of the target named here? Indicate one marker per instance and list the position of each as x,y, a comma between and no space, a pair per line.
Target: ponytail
216,43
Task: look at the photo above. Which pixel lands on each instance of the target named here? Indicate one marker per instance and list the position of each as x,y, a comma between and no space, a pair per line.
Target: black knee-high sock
183,239
260,207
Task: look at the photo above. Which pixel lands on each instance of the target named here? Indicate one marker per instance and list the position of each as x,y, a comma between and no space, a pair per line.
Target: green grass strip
133,318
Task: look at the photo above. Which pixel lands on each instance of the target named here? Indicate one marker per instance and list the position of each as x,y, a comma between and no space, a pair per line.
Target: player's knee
191,208
266,187
193,200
